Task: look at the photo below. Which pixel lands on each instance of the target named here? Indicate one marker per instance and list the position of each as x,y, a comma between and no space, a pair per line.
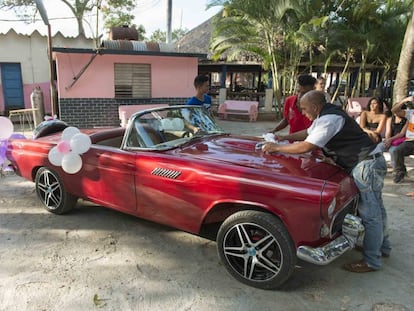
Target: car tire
51,191
256,249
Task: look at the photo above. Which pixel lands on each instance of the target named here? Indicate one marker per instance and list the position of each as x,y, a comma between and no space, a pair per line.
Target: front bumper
352,231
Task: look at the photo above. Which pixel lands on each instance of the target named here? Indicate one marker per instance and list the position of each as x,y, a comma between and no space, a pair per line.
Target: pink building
92,84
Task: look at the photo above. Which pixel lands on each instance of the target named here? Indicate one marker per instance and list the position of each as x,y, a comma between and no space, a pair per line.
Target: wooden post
51,72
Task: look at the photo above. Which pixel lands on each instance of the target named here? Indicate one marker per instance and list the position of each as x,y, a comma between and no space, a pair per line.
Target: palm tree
352,36
364,32
390,38
406,63
282,34
255,27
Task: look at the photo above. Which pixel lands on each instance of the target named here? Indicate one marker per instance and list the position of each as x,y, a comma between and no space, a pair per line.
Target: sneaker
399,177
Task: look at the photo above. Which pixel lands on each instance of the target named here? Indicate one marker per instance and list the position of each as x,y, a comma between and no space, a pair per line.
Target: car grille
350,208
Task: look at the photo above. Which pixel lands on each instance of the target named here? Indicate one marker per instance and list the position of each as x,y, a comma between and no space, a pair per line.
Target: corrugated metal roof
131,45
139,46
116,51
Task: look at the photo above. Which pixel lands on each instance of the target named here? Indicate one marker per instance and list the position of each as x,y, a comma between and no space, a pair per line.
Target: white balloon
69,132
71,163
80,143
6,128
55,157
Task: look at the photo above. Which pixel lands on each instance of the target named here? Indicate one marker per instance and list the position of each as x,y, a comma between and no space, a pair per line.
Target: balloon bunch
67,152
6,132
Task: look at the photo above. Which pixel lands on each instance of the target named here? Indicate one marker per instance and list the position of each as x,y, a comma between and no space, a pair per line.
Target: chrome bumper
352,231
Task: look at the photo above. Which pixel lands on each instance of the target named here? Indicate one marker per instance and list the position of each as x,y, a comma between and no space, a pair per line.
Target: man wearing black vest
347,145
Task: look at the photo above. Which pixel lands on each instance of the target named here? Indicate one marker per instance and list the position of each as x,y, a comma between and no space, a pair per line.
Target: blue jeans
369,178
391,151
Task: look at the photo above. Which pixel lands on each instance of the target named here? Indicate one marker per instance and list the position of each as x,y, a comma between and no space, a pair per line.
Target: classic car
175,166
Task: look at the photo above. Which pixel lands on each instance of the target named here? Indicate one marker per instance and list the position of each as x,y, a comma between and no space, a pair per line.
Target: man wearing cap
292,115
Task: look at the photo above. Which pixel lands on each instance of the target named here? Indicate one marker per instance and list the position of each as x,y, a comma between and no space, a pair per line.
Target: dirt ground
95,258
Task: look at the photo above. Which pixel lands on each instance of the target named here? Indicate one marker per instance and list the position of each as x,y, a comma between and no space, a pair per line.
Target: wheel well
215,217
34,172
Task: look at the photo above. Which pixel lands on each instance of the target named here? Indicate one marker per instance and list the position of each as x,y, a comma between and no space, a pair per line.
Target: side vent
163,172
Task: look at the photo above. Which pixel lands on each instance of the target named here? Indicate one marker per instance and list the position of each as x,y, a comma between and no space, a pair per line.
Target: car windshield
169,127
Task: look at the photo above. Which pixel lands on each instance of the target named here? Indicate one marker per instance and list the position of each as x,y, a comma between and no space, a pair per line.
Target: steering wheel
187,134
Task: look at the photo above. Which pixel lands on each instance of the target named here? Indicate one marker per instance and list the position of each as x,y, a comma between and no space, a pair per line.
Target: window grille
132,80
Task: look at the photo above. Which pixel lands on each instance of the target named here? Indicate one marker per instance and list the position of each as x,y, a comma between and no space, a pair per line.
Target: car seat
147,136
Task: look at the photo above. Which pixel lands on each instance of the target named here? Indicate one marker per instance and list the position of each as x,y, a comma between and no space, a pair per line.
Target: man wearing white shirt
347,145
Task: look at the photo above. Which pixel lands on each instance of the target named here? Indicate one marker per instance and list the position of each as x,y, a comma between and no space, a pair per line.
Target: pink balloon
63,147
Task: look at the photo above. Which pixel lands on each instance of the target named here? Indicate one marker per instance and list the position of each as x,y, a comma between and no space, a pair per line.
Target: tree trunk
81,30
348,59
405,64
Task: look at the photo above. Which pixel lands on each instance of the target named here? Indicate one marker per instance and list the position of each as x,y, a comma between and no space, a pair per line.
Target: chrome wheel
253,252
256,249
51,191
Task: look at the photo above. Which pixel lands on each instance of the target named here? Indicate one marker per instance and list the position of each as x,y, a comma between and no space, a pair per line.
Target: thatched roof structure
197,40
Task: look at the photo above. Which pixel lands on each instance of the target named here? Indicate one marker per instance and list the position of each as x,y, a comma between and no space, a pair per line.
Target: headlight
324,231
331,208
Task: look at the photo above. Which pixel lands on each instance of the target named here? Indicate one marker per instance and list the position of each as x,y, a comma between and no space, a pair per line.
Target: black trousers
403,150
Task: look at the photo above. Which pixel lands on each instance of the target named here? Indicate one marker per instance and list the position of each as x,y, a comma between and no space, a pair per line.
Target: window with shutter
132,80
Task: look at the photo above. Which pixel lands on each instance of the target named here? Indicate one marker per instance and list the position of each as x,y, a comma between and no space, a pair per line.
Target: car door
109,177
168,191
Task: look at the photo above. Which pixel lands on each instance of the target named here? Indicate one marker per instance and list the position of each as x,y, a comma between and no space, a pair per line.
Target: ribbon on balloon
67,152
50,118
6,132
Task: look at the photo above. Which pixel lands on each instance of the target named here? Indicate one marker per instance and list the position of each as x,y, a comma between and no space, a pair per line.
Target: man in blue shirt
201,84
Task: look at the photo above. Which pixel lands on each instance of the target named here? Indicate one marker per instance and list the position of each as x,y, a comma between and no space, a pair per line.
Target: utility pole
169,15
98,7
43,14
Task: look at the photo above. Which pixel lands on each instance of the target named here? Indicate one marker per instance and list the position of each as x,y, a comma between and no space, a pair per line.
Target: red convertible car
175,166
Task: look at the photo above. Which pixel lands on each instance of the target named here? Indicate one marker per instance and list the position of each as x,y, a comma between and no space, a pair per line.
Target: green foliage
158,36
116,13
25,9
284,34
260,28
12,4
161,36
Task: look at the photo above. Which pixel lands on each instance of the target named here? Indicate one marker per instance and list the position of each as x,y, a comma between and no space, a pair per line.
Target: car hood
240,150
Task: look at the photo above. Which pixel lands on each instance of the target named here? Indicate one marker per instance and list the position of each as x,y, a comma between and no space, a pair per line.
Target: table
24,115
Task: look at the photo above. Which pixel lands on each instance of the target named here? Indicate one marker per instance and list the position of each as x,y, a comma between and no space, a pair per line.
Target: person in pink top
292,115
